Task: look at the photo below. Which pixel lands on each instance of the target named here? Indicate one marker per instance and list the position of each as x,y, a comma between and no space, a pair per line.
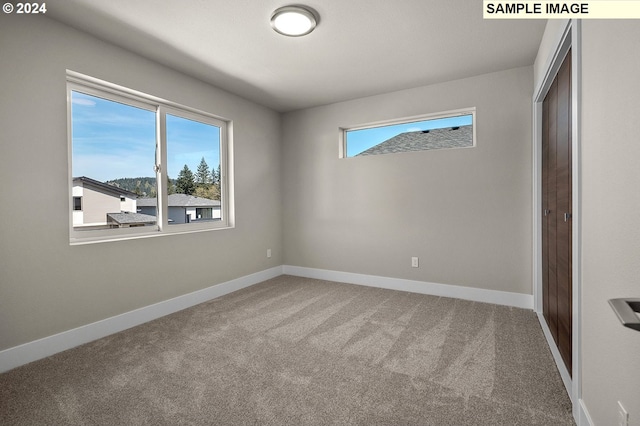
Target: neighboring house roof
448,137
180,200
129,218
104,187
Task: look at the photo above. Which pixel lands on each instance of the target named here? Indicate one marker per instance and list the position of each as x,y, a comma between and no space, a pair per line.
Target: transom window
454,129
140,165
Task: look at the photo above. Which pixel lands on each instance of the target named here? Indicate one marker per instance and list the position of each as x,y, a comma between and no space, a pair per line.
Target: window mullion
224,173
161,169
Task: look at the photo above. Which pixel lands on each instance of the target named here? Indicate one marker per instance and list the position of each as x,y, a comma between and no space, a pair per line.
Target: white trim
517,300
562,369
576,231
537,206
554,62
584,419
147,101
413,118
47,346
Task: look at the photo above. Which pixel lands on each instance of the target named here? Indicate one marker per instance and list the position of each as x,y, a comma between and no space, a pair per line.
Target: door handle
567,216
546,212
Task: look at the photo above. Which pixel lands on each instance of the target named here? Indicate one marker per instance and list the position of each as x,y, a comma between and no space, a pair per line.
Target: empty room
336,212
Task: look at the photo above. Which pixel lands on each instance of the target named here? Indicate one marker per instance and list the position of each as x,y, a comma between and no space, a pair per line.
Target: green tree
215,176
171,188
202,175
216,182
207,191
185,184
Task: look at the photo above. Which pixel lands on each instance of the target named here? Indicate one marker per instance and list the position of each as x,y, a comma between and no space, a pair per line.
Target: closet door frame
570,39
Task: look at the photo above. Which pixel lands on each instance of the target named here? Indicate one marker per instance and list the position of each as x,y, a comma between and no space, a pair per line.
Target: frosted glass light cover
293,21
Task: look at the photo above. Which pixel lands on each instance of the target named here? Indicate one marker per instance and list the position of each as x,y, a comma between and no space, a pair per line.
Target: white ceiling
360,47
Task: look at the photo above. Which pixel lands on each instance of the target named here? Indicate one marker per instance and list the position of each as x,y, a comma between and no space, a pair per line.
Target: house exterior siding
97,201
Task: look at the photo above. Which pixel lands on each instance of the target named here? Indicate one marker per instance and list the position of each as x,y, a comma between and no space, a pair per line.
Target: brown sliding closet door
556,205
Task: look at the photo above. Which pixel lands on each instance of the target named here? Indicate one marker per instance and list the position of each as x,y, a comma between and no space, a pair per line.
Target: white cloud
83,102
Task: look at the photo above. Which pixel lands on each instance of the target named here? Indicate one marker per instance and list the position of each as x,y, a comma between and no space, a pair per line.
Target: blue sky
188,142
361,140
113,140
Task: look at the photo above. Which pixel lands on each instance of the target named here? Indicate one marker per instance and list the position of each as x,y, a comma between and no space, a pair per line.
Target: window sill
79,241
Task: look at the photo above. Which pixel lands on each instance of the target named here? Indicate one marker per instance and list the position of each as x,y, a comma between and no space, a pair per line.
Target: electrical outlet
269,253
414,262
623,416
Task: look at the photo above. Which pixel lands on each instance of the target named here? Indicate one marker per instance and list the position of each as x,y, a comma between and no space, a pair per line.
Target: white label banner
589,9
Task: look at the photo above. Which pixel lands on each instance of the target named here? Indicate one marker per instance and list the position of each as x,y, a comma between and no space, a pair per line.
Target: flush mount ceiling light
294,21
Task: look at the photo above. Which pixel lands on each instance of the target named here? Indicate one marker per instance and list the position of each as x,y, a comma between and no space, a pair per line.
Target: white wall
553,33
48,286
96,205
78,215
611,202
128,205
465,213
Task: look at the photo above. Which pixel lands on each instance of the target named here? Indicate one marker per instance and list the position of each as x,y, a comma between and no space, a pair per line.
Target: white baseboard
42,348
580,413
47,346
584,419
564,373
517,300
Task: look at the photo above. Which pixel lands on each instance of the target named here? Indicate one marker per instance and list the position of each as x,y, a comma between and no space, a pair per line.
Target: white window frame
84,84
342,149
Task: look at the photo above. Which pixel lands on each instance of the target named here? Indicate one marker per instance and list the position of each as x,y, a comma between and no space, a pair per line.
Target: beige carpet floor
297,351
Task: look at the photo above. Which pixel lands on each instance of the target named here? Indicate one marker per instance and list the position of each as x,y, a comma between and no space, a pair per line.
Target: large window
454,129
141,165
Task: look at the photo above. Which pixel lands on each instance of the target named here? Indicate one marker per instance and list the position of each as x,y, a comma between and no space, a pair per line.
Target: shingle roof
129,218
448,137
104,187
180,200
